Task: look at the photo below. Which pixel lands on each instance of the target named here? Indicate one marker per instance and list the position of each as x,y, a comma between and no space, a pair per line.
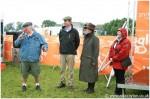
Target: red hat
123,32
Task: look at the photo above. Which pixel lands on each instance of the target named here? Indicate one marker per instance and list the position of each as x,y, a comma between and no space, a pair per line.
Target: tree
110,28
48,23
9,27
19,26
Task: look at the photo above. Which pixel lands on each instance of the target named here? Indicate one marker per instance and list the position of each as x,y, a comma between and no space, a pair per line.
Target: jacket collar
120,40
63,28
89,35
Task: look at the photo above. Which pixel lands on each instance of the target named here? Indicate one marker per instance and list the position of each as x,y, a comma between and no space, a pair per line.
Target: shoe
38,88
71,87
61,85
86,89
24,88
90,91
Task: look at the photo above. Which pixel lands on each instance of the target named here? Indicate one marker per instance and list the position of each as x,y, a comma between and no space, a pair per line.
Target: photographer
31,43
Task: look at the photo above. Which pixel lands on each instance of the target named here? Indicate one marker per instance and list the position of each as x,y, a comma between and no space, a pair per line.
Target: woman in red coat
119,51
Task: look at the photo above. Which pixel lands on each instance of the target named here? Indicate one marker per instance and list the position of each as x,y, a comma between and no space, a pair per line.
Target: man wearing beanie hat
31,43
89,58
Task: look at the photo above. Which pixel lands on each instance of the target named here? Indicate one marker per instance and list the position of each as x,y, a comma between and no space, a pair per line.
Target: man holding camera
31,44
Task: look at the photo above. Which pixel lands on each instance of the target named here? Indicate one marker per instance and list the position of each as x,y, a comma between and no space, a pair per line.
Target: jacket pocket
90,58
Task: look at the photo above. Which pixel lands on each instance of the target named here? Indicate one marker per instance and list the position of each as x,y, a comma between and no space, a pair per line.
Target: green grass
11,85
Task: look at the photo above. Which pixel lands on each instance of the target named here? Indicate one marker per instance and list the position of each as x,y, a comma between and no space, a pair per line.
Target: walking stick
101,66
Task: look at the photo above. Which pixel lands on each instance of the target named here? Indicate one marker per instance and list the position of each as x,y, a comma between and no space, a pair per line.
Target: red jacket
120,52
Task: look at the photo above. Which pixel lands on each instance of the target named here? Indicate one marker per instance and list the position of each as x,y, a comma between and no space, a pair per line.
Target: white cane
105,66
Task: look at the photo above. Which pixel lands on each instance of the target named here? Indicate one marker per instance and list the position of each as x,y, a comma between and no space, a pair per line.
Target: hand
44,49
93,64
22,36
111,59
130,69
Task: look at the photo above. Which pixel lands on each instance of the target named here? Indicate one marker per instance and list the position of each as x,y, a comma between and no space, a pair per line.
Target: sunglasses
85,28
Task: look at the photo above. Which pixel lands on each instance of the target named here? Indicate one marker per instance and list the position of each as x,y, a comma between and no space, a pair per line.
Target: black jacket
69,41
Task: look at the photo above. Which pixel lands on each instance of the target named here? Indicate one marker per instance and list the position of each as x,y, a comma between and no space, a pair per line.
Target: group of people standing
32,44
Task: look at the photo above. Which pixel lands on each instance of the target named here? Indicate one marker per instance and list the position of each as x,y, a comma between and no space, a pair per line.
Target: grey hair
32,28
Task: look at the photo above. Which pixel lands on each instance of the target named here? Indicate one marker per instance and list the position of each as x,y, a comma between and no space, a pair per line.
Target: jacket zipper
69,36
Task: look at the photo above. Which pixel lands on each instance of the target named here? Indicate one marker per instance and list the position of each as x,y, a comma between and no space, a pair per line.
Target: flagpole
132,33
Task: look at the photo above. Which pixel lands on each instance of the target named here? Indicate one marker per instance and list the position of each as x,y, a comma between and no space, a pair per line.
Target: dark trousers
120,79
91,85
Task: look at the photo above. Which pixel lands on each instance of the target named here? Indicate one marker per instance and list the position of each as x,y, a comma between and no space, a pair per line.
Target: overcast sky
96,11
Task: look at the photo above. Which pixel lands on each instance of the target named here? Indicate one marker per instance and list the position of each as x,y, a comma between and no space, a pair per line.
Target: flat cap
67,18
26,24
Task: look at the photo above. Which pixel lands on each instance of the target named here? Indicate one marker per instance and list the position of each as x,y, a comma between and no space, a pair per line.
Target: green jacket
89,59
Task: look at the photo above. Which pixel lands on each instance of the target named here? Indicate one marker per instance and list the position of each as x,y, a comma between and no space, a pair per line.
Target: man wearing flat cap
31,44
69,43
89,58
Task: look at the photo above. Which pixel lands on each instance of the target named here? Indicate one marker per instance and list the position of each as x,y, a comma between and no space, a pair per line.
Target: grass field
11,85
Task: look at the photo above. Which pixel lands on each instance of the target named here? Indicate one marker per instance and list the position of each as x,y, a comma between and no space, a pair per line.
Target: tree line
109,28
